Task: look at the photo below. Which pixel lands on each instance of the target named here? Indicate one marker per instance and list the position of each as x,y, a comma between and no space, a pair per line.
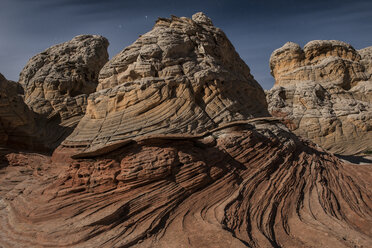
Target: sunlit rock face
324,93
182,154
182,77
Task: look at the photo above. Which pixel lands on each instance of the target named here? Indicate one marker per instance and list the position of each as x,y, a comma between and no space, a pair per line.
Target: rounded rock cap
201,18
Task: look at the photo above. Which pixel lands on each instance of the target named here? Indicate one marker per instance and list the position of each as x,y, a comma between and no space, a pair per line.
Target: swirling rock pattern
324,93
246,185
183,77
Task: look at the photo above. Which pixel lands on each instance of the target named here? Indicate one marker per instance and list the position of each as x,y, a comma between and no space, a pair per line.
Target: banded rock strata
244,185
182,77
324,93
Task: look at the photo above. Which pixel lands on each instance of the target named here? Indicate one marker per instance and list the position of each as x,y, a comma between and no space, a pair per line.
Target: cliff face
177,149
324,93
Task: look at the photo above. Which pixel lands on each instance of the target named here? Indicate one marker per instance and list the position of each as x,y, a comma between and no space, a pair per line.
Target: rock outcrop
324,93
17,125
243,185
58,81
366,61
182,155
182,77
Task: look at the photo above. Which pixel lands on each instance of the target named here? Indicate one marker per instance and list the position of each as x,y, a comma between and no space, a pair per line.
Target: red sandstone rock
252,185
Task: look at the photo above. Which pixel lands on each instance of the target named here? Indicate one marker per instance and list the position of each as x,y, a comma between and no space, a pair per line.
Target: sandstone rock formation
17,124
182,160
244,185
58,81
182,77
324,93
366,61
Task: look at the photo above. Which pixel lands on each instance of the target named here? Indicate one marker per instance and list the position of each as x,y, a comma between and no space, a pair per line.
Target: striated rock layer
58,81
182,77
324,93
243,185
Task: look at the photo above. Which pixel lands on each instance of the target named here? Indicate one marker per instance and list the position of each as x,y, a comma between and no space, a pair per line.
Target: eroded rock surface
245,185
53,78
57,83
366,55
182,77
17,125
324,93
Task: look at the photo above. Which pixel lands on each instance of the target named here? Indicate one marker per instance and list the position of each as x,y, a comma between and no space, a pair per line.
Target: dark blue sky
256,28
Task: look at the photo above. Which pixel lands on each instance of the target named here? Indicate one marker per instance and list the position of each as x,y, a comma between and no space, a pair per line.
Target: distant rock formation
324,93
57,83
17,125
183,77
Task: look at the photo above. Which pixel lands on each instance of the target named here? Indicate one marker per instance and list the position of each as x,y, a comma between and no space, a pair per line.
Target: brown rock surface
245,185
182,77
324,93
17,124
57,83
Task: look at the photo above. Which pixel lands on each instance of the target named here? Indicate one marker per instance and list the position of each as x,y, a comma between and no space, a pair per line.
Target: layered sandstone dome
182,77
324,93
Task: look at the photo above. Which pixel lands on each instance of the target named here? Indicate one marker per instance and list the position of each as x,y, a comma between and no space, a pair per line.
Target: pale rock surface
324,93
182,77
366,55
58,81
